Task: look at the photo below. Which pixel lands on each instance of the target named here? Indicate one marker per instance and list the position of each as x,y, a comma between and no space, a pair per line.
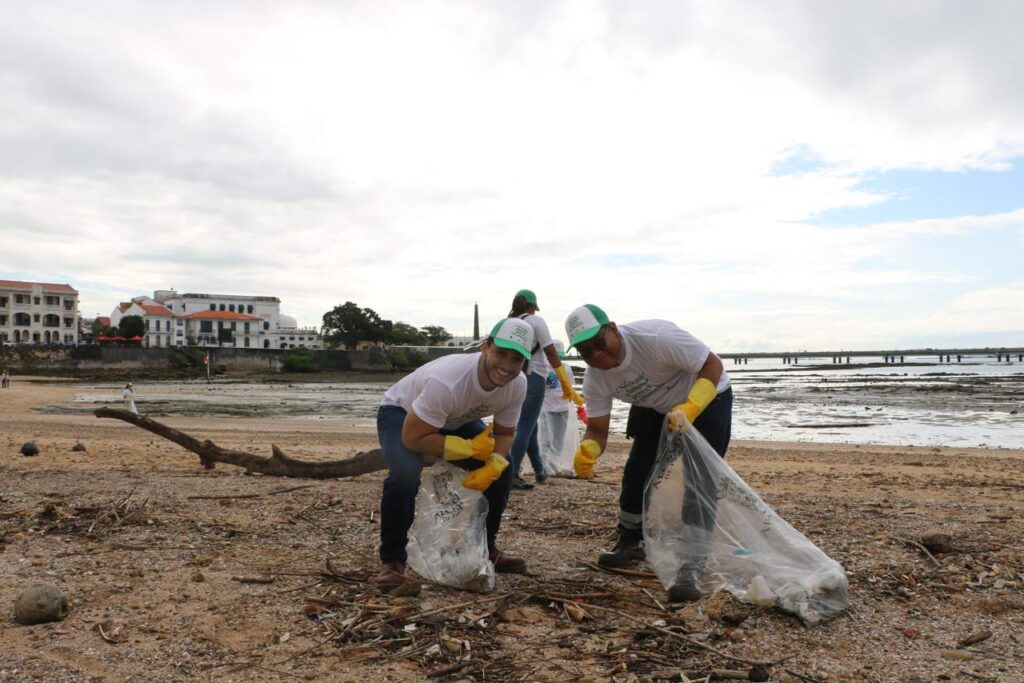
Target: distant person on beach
542,356
661,370
5,379
128,396
436,412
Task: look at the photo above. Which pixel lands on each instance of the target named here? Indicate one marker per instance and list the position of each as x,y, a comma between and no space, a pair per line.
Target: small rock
29,448
41,603
758,673
937,542
911,633
78,448
198,577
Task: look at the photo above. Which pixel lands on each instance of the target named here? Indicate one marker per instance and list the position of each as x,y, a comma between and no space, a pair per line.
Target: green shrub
187,358
299,360
397,358
416,358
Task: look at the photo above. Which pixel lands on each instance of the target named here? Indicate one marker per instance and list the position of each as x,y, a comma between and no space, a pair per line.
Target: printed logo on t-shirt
636,390
474,413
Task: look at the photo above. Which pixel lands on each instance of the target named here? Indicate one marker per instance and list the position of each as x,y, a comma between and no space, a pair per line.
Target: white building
174,319
38,313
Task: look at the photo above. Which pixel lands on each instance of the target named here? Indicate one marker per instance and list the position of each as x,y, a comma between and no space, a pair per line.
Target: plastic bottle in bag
448,538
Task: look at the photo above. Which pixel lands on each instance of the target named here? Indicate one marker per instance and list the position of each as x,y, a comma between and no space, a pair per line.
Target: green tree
131,326
435,335
99,328
404,333
349,324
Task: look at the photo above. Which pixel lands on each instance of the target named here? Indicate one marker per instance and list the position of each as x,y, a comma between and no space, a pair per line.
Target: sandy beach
179,573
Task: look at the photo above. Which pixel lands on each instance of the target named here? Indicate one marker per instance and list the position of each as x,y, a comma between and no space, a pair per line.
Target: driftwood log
278,464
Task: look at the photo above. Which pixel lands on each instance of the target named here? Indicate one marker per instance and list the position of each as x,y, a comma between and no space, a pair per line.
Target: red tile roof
103,320
47,286
153,309
124,306
221,315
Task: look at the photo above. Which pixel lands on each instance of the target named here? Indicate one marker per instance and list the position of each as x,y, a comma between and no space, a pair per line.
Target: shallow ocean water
976,403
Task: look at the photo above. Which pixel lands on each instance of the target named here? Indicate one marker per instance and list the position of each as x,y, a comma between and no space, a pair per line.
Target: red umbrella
118,338
102,337
136,338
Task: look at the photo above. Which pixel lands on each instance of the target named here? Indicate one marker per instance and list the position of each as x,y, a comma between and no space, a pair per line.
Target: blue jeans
525,440
398,502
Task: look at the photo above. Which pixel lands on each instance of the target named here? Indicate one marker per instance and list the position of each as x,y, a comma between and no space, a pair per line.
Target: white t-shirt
542,340
446,393
659,366
553,401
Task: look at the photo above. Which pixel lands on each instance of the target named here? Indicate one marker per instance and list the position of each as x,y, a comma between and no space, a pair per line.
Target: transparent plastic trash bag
558,461
703,524
448,537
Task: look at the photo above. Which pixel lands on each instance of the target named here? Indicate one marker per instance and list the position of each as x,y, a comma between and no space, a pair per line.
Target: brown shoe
508,564
392,575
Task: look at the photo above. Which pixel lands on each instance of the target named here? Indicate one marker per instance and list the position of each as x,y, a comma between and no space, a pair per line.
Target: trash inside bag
703,524
448,537
556,453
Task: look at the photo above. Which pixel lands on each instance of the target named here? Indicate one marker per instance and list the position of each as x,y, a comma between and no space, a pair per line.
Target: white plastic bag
702,520
558,463
448,537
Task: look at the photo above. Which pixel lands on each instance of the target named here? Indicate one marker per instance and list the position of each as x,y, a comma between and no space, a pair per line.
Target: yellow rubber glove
568,393
479,447
702,393
485,475
586,456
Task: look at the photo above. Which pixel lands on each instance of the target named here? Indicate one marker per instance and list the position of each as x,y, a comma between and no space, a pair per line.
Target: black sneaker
520,484
542,478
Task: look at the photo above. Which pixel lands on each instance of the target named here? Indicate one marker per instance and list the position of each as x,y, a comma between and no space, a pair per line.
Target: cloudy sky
769,175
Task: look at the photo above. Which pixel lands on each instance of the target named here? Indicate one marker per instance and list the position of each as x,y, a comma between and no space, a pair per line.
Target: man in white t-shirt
436,412
661,370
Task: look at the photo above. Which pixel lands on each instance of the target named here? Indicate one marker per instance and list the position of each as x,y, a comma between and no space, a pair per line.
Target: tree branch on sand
278,464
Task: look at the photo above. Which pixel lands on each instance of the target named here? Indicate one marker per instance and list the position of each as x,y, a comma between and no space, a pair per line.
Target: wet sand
164,570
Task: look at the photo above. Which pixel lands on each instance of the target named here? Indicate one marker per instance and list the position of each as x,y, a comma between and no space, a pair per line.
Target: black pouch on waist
642,420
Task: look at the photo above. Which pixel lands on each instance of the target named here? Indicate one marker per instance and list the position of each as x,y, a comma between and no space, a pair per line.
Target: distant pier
898,356
1001,355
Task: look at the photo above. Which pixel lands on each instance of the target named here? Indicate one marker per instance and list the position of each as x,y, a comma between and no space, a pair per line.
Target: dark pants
644,427
525,441
398,502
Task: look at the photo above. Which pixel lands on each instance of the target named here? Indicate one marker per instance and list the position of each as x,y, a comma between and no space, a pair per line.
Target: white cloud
418,158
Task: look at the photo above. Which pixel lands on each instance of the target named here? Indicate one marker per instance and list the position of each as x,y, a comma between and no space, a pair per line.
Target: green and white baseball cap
514,334
530,297
584,323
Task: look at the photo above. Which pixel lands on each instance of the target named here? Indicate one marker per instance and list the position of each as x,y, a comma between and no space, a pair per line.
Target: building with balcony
38,313
178,319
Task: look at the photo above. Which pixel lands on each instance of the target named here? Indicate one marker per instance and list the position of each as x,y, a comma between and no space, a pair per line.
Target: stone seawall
94,360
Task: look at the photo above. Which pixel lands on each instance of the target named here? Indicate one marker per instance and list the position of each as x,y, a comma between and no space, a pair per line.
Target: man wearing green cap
661,370
437,412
